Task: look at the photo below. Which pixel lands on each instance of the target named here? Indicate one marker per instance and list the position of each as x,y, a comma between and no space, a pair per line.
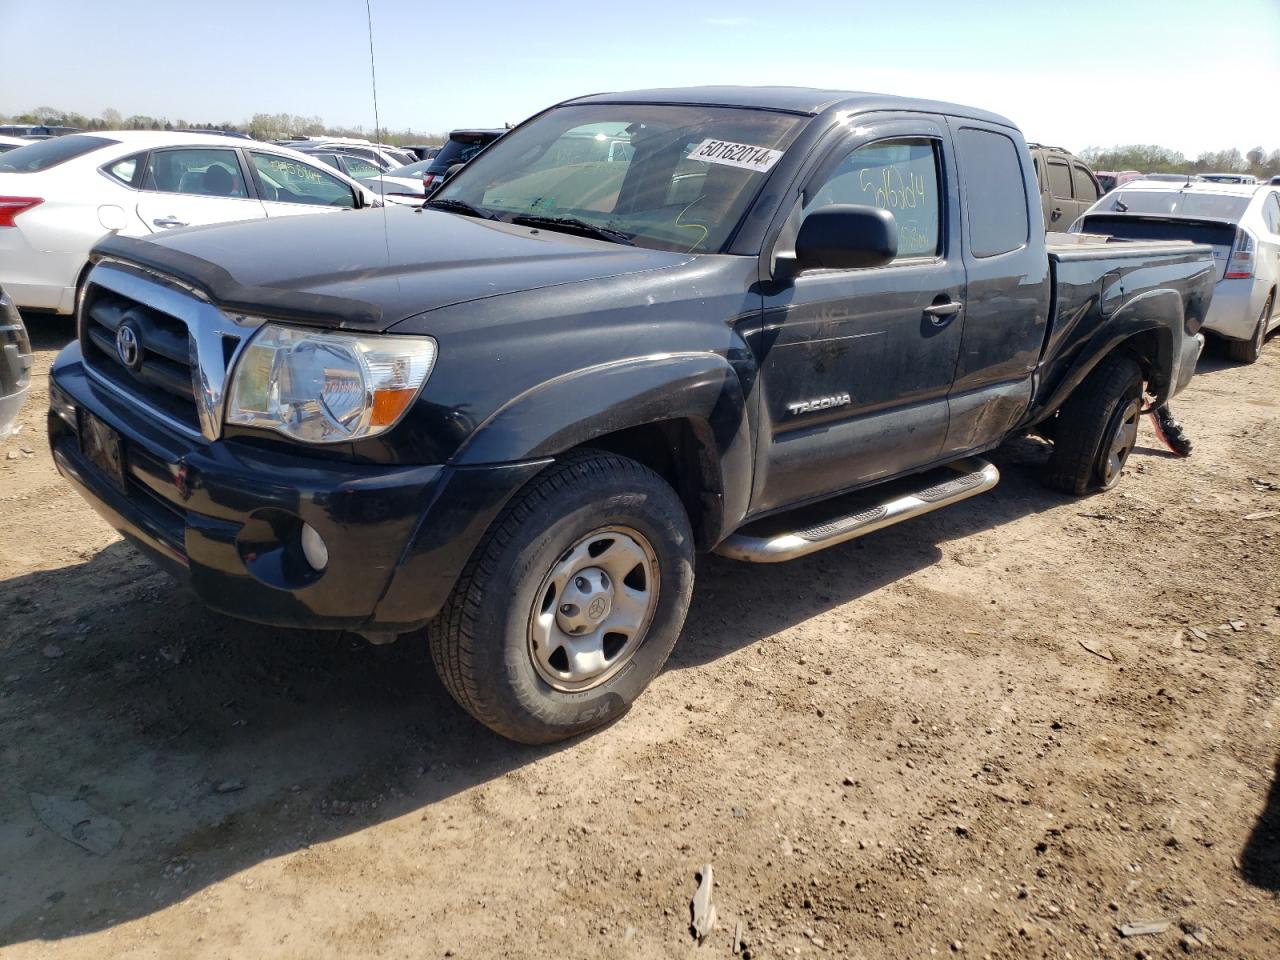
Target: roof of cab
802,100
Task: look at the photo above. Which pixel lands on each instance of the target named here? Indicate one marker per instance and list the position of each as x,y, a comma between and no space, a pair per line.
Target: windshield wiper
573,225
462,207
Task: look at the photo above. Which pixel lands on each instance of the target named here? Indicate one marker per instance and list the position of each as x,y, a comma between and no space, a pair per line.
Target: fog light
313,548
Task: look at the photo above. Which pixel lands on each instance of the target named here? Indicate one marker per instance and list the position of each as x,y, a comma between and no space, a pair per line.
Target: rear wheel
1097,429
1247,351
572,602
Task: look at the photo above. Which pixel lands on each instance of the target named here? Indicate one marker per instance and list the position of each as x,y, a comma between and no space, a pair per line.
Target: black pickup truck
763,322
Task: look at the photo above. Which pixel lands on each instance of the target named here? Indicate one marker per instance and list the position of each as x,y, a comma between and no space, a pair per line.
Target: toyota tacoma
764,321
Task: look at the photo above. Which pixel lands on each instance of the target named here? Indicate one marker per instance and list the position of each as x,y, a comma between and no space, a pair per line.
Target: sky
1194,76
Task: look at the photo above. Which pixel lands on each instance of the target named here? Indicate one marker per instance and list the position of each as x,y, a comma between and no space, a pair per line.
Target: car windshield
1180,203
667,177
459,150
49,153
414,169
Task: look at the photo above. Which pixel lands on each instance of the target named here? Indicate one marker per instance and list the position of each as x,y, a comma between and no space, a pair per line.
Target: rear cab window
995,201
44,154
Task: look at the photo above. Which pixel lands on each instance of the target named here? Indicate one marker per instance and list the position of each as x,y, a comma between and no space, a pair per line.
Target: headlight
325,387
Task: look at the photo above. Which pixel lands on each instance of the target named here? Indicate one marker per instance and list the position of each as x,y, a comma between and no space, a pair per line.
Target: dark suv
461,147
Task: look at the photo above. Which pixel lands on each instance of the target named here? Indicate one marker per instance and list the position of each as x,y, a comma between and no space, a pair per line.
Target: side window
900,176
201,172
329,159
1271,213
127,171
1059,179
359,168
994,196
1085,190
285,180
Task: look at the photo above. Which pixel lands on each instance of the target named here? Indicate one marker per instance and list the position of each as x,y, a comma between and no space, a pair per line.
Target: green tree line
1149,158
261,126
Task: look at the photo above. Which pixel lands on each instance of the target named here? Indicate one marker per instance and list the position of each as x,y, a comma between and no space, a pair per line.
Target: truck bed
1101,284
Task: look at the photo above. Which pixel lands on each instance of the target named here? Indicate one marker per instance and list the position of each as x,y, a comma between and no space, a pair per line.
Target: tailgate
1219,234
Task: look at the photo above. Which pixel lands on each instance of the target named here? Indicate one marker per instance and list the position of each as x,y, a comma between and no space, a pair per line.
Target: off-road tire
480,640
1085,425
1248,351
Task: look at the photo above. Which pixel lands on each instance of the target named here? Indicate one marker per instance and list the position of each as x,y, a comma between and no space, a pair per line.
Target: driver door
289,186
857,363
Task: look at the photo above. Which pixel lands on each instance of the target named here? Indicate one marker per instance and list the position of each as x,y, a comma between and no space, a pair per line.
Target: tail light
429,181
10,207
1240,266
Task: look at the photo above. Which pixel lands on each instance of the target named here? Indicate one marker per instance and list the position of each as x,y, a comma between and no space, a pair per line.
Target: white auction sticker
742,155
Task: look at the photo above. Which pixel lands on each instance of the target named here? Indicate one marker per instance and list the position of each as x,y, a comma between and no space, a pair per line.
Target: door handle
1055,213
169,221
940,314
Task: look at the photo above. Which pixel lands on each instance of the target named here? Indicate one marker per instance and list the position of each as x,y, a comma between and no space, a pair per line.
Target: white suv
1242,224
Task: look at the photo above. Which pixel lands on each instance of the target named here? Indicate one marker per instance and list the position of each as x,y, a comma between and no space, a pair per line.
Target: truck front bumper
227,517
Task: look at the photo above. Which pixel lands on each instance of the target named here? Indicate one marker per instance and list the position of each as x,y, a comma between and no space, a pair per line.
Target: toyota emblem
128,346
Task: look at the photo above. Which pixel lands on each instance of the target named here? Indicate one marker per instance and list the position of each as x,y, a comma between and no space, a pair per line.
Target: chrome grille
176,354
162,374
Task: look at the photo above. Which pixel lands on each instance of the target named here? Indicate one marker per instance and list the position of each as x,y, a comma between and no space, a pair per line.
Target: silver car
1242,224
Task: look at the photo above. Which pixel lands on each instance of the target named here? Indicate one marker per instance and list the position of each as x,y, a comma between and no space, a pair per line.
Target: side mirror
846,236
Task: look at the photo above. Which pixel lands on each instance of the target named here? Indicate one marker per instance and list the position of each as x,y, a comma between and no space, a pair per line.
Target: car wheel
571,603
1247,351
1097,429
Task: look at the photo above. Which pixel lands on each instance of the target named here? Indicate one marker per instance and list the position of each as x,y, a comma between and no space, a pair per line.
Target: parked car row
61,196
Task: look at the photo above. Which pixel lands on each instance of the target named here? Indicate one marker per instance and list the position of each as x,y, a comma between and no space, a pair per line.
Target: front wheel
571,603
1097,429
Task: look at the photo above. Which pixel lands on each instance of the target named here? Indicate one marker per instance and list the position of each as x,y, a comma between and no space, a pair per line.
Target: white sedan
1242,224
59,197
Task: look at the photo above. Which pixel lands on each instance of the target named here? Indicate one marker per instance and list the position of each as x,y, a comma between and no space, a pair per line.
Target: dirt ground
898,748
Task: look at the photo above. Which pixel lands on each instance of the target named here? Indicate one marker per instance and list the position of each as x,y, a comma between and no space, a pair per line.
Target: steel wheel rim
1123,439
593,608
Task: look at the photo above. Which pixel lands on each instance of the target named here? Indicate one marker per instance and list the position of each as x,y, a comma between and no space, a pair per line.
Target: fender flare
578,407
1150,312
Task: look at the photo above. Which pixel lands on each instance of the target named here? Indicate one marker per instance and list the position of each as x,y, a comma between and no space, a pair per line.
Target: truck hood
370,269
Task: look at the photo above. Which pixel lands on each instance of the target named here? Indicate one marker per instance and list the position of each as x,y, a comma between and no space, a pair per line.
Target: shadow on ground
1260,860
49,331
122,691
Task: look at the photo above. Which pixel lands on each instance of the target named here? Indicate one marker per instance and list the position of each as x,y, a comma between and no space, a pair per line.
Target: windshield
1180,203
44,154
668,177
460,150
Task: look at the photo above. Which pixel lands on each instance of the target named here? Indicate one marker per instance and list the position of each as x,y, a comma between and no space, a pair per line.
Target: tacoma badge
822,403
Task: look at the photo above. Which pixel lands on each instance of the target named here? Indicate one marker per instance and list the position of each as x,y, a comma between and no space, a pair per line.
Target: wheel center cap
586,602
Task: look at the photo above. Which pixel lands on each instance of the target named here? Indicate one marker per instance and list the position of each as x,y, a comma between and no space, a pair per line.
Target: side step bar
974,476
